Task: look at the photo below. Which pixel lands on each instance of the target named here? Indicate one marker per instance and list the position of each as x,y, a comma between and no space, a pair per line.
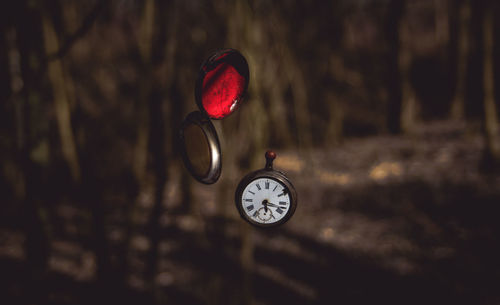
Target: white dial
265,200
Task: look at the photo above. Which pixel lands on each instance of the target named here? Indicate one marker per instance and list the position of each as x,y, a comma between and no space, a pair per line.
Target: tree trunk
490,111
334,127
154,25
408,97
394,77
61,101
26,95
145,45
458,103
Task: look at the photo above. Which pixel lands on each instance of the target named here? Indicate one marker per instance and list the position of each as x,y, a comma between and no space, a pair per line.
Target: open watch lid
222,83
220,88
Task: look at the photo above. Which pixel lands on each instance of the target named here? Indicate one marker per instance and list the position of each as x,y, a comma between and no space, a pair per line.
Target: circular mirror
200,148
222,83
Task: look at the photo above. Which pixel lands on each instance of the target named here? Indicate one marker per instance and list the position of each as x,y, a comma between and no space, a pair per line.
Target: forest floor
391,219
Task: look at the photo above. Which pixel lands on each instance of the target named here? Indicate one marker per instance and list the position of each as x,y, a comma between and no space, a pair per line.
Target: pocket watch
266,197
219,90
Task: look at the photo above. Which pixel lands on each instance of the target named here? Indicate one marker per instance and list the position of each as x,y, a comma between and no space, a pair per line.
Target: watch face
266,201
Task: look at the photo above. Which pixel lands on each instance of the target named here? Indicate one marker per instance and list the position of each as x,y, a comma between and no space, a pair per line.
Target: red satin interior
222,90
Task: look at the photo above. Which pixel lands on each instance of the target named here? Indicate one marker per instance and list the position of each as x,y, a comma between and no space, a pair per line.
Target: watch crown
270,156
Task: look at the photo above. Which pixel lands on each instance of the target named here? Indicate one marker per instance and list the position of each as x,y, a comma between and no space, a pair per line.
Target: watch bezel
214,171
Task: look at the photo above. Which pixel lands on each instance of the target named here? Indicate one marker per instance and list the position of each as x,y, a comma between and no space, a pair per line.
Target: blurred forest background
382,113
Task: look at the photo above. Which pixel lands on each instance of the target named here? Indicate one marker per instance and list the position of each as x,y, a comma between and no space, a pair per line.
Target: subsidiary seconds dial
266,197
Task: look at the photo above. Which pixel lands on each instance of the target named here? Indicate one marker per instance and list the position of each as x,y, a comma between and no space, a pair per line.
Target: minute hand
273,205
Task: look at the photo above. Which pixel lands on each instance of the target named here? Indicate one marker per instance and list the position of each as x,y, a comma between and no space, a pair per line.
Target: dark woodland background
383,113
